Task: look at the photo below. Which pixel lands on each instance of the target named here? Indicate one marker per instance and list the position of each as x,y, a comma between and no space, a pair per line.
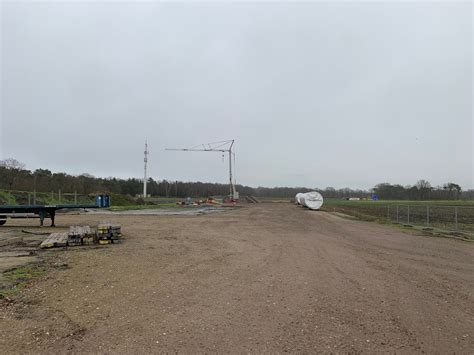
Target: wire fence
15,197
452,218
442,217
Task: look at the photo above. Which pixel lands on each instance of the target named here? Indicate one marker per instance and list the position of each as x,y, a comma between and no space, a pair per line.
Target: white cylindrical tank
298,198
313,200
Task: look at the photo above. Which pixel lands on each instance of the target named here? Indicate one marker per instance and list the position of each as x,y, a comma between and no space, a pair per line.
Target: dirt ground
267,278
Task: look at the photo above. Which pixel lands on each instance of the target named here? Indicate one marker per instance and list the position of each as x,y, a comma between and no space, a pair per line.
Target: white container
298,198
312,200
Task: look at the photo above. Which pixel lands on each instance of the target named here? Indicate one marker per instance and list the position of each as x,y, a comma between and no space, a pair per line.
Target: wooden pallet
55,240
81,235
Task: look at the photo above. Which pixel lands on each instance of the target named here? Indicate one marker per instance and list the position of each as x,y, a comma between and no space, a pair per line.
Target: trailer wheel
2,222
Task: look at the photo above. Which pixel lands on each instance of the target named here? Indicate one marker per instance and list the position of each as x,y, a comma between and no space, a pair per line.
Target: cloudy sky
314,93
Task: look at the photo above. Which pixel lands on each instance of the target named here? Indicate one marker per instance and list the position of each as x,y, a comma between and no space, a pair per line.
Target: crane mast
223,147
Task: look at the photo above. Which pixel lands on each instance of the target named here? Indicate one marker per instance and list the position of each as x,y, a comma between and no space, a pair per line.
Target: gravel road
267,278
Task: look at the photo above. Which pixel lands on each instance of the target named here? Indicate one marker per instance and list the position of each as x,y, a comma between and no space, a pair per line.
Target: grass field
20,277
339,202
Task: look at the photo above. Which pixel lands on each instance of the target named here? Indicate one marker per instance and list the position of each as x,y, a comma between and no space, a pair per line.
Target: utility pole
223,147
145,160
34,190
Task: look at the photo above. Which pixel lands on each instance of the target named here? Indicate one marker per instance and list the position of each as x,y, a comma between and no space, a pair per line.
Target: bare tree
424,188
12,164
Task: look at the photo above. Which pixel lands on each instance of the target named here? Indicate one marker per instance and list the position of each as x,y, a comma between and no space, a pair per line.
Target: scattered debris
209,201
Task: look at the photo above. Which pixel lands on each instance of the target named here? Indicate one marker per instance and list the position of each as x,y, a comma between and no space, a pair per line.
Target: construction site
236,177
224,274
265,277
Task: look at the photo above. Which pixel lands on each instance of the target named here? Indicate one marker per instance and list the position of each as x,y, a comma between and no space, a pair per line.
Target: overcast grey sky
315,94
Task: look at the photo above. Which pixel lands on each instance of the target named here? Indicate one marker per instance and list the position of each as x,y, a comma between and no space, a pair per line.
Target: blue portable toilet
106,200
102,201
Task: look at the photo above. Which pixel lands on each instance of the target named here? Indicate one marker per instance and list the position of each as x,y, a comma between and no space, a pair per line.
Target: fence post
29,198
59,195
408,214
456,218
427,216
388,213
397,215
75,197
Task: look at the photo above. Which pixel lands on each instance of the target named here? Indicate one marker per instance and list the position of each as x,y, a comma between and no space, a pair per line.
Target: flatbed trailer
46,211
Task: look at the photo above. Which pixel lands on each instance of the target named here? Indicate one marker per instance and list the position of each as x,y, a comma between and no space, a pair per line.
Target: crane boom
198,150
223,147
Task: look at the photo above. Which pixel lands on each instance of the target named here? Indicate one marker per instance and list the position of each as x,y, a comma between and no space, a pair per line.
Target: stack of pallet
81,235
109,233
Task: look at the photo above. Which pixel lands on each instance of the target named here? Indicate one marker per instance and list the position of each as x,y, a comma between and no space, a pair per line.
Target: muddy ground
270,277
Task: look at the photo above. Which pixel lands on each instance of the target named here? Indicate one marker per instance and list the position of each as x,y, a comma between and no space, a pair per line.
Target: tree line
14,176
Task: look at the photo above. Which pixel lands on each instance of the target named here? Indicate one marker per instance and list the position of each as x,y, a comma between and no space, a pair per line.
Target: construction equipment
46,211
223,147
